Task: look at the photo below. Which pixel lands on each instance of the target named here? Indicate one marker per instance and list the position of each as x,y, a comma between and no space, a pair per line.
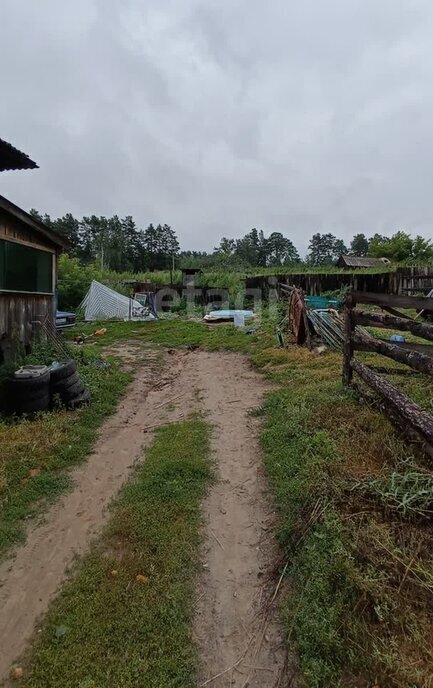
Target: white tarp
103,303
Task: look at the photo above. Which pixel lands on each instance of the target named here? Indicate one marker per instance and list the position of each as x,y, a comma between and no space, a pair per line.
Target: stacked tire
66,385
28,394
29,391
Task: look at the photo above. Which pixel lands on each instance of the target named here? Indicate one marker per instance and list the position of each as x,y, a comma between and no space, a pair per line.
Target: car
64,319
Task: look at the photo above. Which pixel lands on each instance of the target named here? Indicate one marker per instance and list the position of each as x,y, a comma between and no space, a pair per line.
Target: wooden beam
390,322
426,349
418,419
392,415
348,340
417,302
386,370
285,287
392,311
415,359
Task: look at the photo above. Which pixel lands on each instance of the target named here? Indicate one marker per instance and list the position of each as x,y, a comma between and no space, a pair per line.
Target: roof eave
15,159
38,226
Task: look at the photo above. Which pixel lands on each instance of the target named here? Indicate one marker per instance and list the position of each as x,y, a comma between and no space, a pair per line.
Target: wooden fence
411,418
400,281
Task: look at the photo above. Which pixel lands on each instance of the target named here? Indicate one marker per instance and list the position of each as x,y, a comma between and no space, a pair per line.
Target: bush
74,279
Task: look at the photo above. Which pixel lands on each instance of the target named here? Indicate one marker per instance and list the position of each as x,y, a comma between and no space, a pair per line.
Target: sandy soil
30,580
236,625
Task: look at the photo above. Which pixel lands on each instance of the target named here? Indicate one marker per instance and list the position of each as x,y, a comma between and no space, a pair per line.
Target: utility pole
102,251
171,268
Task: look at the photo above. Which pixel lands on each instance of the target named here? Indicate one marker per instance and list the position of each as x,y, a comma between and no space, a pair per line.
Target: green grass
353,611
301,460
108,628
36,454
350,616
170,333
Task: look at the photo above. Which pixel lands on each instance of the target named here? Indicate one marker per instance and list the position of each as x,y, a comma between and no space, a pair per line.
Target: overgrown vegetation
125,618
407,490
360,603
112,250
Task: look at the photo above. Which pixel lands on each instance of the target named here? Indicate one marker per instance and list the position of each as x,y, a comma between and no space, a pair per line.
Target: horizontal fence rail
392,322
415,421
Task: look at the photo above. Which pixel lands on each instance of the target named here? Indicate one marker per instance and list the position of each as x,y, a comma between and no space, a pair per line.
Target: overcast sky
217,116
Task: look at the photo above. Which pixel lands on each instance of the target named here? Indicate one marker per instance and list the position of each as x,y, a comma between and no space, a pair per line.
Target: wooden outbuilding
355,262
28,277
189,275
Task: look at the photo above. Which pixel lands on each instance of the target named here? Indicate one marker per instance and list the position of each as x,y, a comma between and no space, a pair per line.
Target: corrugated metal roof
362,261
13,159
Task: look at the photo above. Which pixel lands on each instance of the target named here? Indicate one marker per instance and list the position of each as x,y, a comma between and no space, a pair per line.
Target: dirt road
236,627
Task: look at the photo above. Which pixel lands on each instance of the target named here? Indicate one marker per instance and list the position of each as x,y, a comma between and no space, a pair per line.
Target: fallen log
391,322
411,413
414,359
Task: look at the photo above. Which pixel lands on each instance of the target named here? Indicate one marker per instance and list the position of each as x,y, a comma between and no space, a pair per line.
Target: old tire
64,370
74,391
80,400
20,387
31,395
64,384
35,405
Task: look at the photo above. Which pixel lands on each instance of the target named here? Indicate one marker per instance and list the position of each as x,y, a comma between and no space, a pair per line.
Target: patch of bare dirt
236,623
237,626
132,354
31,579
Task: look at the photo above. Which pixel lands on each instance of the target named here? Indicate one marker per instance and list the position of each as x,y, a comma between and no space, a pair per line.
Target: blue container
321,302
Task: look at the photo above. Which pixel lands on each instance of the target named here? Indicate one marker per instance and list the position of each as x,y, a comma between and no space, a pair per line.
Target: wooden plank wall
17,311
401,281
12,229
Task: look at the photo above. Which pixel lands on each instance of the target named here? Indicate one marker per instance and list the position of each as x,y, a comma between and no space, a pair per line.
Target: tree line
118,244
115,243
256,250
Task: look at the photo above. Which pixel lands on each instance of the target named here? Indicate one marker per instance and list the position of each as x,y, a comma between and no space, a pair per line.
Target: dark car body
64,319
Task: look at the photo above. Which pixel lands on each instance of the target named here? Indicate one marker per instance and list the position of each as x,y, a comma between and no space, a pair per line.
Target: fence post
348,340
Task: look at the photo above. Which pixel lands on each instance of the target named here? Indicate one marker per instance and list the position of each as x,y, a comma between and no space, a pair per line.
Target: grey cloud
216,117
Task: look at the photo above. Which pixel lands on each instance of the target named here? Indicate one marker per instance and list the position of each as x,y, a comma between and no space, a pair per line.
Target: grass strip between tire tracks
124,618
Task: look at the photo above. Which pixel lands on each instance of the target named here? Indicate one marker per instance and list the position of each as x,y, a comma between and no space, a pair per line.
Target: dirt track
237,631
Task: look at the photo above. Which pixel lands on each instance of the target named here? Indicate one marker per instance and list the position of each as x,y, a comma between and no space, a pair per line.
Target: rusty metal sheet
296,316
